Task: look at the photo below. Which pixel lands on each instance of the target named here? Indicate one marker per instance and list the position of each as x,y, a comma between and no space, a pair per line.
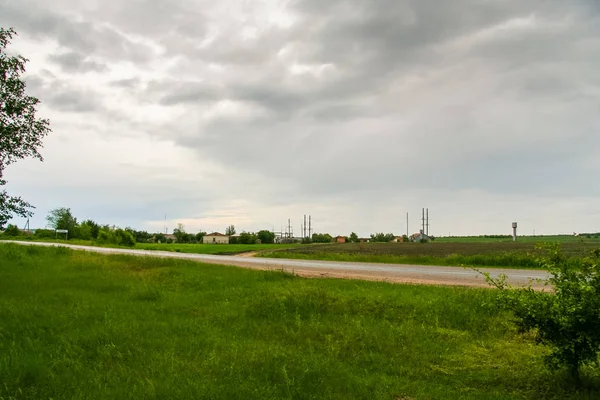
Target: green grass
583,238
485,254
222,249
508,260
218,249
75,325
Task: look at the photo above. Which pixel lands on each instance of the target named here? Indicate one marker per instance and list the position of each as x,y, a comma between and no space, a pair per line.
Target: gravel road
418,274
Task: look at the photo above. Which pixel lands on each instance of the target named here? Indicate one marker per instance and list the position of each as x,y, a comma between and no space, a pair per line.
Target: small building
171,237
339,239
398,239
419,237
364,240
216,238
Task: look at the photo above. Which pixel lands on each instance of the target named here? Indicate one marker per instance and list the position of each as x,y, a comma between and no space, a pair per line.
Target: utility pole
304,232
406,224
310,226
423,221
427,233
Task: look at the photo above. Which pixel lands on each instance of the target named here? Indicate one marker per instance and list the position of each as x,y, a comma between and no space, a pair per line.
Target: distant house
419,237
364,240
216,238
398,239
171,237
339,239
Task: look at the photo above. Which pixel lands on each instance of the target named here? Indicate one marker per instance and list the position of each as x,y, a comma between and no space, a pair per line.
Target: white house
216,238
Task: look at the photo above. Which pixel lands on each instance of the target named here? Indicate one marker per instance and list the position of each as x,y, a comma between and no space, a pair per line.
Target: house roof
215,234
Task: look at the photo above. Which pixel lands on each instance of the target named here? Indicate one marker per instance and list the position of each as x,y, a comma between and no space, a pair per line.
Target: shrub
568,320
106,236
124,238
12,231
44,234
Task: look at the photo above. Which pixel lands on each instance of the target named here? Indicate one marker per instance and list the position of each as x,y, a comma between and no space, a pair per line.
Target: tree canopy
21,133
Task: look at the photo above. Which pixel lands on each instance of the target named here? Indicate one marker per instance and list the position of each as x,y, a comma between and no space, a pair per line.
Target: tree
93,227
21,133
61,218
200,236
124,238
247,238
382,237
568,320
321,238
11,231
353,238
266,236
180,234
230,230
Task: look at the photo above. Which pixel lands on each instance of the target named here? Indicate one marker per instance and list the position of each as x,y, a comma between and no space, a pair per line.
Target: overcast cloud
355,112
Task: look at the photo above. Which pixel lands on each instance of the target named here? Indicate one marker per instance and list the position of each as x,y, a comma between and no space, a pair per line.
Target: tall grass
83,326
505,260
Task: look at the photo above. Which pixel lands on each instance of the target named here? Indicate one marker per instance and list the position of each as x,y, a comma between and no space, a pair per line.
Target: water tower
514,226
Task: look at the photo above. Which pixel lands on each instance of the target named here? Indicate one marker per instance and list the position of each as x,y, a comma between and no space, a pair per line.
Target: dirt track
416,274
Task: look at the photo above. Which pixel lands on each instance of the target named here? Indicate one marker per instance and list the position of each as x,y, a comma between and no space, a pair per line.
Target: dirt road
418,274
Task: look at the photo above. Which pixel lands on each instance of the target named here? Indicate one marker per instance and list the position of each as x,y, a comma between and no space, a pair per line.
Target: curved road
420,274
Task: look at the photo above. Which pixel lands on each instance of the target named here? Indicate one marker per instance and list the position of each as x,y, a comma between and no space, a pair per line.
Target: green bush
44,234
11,231
124,238
567,320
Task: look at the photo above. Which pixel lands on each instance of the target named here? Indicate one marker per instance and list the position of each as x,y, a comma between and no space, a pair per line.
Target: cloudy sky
356,112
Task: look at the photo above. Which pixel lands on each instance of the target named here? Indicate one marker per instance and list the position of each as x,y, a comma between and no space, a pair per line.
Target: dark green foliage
353,238
568,320
159,237
181,235
11,231
321,238
124,238
21,133
94,228
44,234
106,236
62,218
230,230
382,237
266,237
247,238
200,236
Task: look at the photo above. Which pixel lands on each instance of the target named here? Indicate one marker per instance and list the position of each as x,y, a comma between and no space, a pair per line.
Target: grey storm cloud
77,62
350,97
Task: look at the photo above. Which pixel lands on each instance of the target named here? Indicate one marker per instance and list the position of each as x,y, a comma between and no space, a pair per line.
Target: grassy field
594,239
483,254
220,249
82,326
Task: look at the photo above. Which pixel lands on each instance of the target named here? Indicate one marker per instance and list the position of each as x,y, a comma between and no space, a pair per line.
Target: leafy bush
124,238
266,237
119,237
44,234
568,320
382,237
106,236
321,238
247,238
11,231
